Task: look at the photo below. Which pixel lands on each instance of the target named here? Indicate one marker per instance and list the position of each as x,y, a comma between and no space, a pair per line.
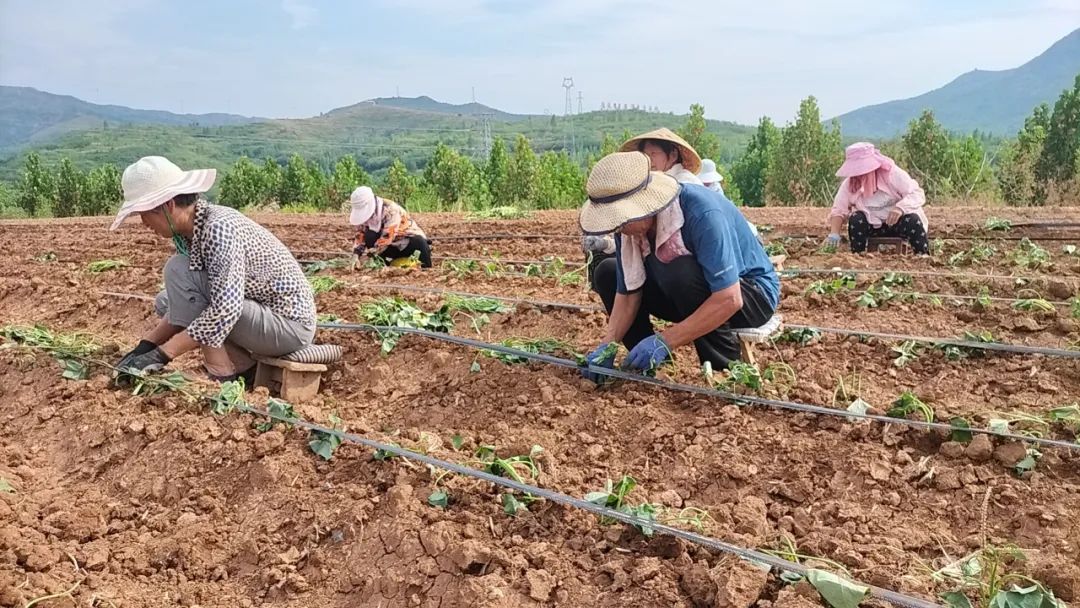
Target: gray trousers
259,331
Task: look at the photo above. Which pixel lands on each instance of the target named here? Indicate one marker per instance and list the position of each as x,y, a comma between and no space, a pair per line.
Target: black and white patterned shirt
243,261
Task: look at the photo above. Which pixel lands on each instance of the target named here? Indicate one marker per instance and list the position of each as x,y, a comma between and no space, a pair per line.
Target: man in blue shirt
684,254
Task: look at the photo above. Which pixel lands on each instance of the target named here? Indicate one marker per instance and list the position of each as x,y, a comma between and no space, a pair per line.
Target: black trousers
909,228
416,243
673,292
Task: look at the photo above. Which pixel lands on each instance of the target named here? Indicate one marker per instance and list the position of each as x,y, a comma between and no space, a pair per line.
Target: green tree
560,182
750,173
272,177
1060,157
926,153
400,184
1016,172
318,188
497,172
103,191
521,177
243,185
450,175
294,182
348,174
69,190
696,133
970,172
36,186
802,167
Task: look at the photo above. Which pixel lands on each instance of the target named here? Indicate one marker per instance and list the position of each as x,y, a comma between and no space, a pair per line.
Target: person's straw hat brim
154,180
691,160
622,189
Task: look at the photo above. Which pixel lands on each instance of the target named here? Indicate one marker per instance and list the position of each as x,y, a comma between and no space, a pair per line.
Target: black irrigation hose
893,597
688,388
996,346
493,237
914,273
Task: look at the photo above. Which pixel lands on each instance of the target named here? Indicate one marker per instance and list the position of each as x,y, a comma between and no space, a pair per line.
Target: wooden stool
756,335
296,376
887,244
778,261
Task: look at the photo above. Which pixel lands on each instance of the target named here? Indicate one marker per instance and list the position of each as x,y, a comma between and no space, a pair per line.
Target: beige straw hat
622,189
154,180
691,161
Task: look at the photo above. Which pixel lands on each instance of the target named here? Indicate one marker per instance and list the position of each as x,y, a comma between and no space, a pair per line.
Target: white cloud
302,14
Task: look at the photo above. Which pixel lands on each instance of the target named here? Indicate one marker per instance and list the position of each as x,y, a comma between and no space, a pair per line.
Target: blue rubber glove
598,358
649,354
833,239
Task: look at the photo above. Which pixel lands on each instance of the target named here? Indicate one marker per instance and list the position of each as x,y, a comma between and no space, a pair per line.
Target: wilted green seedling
997,224
896,279
46,258
801,336
787,549
906,352
985,576
328,318
522,468
279,409
545,346
461,268
908,403
1069,249
375,262
976,254
62,345
504,212
827,248
105,266
456,303
613,496
1033,305
439,499
321,265
1028,255
228,398
775,248
325,444
844,282
6,487
397,312
323,284
1067,416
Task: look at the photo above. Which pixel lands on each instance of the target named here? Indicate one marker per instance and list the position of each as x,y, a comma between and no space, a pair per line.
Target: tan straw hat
622,189
691,161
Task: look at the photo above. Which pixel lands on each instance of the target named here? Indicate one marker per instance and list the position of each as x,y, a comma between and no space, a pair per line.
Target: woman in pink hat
877,199
384,228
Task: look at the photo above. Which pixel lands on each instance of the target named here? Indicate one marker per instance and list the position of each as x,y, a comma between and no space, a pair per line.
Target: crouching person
232,290
683,254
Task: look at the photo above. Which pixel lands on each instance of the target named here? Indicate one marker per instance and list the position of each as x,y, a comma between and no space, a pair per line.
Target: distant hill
376,132
427,104
29,115
991,101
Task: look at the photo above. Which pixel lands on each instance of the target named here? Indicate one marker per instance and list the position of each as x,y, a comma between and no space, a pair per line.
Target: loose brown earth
155,502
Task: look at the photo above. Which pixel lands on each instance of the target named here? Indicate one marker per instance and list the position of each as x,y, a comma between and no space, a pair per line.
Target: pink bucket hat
861,158
153,180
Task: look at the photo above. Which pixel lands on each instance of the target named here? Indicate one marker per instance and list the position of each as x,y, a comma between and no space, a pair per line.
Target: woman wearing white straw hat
710,177
683,254
385,229
232,290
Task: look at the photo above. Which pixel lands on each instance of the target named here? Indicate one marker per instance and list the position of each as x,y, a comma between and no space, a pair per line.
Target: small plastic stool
887,244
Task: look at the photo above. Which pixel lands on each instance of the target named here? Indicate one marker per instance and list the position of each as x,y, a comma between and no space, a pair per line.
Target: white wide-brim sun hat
709,174
622,189
154,180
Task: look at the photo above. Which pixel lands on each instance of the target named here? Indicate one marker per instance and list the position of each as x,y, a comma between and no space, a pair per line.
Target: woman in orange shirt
385,229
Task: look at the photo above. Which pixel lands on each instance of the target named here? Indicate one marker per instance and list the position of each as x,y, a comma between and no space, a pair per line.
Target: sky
297,58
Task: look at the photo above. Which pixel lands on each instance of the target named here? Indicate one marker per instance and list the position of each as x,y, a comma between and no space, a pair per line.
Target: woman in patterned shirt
232,290
385,229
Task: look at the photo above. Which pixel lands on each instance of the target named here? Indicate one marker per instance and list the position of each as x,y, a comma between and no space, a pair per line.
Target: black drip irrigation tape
914,273
893,597
993,346
497,237
805,408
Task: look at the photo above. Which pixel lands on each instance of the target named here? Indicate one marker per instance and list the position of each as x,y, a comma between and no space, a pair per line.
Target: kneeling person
385,228
232,290
683,254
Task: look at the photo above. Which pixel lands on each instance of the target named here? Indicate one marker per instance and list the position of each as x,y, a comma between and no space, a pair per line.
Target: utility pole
579,102
485,130
568,112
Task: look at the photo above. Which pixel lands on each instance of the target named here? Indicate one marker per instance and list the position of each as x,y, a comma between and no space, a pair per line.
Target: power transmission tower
568,83
579,102
485,129
568,112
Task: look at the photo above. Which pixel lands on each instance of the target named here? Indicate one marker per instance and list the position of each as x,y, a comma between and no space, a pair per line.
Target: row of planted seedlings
523,467
774,379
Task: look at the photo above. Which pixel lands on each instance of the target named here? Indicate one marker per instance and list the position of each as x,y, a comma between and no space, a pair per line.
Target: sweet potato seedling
788,550
907,403
144,384
844,282
323,284
896,279
228,398
1029,255
906,352
613,496
325,444
398,312
276,407
802,336
522,468
1070,250
1033,305
328,318
46,258
321,265
986,577
504,212
775,248
6,487
545,346
997,224
105,265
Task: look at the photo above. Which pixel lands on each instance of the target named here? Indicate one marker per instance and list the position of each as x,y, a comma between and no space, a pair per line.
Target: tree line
786,166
